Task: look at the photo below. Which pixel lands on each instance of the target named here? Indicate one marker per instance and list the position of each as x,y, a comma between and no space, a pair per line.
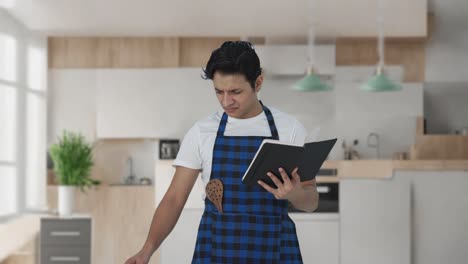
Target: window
23,93
8,126
35,180
8,60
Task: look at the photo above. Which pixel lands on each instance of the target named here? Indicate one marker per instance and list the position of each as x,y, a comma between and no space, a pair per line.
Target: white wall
446,87
445,107
446,52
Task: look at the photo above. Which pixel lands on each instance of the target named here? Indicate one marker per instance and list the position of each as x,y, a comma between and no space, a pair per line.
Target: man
254,226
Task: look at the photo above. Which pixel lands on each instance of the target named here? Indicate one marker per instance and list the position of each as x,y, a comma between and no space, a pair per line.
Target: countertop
386,168
315,216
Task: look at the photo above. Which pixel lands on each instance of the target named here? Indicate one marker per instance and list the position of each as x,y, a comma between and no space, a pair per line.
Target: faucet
375,145
131,177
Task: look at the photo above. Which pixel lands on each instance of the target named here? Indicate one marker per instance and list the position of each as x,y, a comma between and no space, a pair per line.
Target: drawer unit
66,231
65,255
65,240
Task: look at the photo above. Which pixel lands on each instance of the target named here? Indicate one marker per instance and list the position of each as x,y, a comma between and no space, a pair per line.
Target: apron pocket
245,238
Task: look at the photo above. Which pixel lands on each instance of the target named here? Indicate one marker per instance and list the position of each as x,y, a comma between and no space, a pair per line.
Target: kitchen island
411,211
391,211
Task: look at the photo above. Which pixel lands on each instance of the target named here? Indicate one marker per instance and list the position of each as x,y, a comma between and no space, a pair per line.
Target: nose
227,99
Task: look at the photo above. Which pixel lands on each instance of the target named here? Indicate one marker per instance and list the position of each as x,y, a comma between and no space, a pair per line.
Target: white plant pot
66,200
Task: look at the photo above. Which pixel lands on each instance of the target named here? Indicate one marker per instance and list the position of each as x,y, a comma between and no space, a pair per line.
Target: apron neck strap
270,119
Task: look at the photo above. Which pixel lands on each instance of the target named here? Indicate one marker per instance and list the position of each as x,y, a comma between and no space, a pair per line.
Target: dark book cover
274,154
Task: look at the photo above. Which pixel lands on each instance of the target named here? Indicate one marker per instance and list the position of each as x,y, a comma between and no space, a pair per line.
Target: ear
258,83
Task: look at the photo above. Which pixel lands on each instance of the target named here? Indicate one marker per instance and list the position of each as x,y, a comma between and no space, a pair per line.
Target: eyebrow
235,89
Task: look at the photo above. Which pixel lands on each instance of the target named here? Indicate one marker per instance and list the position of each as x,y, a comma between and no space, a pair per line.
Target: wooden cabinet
121,219
113,52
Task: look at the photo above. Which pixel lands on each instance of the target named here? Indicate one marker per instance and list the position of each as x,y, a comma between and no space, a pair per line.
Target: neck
256,110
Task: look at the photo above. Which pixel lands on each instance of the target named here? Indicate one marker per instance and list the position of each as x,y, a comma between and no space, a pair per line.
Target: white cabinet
164,172
157,103
318,236
375,221
72,102
178,247
292,59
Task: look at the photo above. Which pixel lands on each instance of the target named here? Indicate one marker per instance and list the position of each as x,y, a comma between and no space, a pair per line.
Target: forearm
307,199
164,219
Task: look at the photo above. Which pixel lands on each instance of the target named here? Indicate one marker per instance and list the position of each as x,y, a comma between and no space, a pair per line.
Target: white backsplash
111,159
349,113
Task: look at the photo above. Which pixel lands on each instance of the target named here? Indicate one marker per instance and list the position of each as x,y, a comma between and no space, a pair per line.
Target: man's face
236,96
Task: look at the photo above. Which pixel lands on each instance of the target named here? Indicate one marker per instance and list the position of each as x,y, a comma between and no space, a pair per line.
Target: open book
273,154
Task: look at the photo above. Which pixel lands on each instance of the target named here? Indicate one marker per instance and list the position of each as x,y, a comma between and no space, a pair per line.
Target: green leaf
73,160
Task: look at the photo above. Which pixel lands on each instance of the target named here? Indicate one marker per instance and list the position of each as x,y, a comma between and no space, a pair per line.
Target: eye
237,91
218,92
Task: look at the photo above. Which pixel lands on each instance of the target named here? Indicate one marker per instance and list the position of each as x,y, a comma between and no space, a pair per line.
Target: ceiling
218,18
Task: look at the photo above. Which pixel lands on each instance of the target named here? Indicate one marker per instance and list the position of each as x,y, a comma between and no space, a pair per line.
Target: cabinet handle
64,258
323,189
65,233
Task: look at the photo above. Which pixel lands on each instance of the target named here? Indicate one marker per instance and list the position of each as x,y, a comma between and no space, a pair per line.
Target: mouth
230,110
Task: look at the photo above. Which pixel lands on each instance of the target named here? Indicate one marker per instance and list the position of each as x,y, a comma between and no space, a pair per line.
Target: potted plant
73,160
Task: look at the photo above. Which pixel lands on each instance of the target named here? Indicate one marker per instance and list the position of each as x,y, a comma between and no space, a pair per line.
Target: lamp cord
381,40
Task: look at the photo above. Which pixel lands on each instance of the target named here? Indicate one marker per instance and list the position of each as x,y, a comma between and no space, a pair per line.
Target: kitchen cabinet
439,213
151,103
164,172
178,247
319,237
72,104
65,240
375,221
121,217
290,60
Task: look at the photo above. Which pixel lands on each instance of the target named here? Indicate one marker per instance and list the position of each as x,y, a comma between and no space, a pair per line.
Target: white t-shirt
196,150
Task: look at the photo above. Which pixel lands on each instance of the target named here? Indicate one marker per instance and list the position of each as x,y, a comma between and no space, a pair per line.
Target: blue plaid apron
255,227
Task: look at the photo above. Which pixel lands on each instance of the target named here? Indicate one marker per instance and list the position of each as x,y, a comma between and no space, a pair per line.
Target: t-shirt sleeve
300,135
189,151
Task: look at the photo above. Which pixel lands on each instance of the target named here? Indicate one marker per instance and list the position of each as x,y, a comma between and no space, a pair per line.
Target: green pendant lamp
380,82
311,83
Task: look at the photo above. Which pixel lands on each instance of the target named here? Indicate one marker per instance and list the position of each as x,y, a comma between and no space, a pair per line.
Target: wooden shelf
437,146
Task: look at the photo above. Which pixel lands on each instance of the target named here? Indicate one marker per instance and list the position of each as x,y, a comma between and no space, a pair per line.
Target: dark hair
234,57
